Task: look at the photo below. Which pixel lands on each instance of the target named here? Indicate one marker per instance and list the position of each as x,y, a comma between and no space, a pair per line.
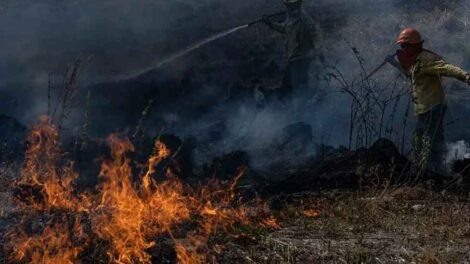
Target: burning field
144,213
128,218
227,151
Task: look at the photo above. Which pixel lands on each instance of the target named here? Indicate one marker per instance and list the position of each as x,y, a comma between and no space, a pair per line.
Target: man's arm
391,60
442,68
279,27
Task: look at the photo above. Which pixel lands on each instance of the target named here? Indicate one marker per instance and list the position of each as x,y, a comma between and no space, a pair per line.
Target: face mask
408,54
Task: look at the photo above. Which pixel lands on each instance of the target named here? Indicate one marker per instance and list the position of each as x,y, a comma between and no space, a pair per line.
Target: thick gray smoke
39,38
42,37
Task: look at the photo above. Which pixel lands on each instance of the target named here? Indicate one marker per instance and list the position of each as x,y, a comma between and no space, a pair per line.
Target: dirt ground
402,225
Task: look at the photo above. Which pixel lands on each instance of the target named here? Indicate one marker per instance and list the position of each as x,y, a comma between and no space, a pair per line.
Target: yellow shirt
426,80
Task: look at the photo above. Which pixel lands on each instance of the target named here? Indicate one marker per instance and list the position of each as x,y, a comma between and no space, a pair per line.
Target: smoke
457,151
51,34
41,37
369,27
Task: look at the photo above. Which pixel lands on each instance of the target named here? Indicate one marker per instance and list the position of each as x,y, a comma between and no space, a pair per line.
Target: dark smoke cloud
42,37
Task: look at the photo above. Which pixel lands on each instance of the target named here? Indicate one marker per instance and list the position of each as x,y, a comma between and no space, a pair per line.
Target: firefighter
300,32
426,69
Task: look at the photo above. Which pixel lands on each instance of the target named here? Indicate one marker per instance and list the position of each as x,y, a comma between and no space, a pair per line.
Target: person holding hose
300,33
426,69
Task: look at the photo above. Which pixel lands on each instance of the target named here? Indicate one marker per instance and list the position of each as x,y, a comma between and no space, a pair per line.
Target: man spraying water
426,69
300,33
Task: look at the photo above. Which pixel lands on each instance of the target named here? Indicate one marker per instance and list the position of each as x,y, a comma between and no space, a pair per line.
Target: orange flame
53,245
271,222
128,214
128,218
42,170
311,213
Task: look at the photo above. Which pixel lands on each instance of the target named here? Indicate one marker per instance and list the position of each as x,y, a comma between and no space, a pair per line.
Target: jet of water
188,49
195,46
200,44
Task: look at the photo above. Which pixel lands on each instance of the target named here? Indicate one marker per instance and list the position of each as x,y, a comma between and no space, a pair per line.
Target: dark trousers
429,141
295,81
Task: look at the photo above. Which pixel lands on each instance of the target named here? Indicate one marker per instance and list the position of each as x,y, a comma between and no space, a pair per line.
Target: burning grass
139,215
129,215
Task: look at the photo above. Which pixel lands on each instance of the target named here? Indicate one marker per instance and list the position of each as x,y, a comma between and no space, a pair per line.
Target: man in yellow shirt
425,69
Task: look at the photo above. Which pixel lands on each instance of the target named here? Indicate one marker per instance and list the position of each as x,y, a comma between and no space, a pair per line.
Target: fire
311,213
127,211
186,256
42,172
53,245
216,208
162,152
271,222
129,218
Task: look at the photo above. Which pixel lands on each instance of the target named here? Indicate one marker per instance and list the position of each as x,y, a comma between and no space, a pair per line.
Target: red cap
409,36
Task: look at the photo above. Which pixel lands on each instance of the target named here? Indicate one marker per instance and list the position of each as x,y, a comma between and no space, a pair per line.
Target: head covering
412,42
407,56
409,36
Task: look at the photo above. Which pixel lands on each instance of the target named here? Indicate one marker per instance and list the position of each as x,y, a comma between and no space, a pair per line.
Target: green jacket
426,80
300,35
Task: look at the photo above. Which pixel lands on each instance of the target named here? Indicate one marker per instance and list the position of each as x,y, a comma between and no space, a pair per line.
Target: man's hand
390,59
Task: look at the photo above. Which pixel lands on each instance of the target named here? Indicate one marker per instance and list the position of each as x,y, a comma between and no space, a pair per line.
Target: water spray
199,44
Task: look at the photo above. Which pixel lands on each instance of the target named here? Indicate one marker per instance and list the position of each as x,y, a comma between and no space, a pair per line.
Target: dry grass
398,225
8,172
405,225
